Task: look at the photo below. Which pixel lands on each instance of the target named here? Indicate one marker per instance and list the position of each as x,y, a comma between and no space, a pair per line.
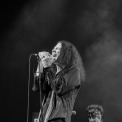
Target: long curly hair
69,56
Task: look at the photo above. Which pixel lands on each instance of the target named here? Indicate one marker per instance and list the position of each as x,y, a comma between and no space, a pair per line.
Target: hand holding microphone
46,58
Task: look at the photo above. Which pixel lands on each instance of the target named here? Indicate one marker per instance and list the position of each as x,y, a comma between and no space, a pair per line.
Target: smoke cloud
94,25
103,59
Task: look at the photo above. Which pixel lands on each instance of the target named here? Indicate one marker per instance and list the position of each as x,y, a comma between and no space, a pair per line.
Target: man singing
60,81
95,113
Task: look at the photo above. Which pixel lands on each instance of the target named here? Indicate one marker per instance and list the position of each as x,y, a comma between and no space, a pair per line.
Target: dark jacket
65,85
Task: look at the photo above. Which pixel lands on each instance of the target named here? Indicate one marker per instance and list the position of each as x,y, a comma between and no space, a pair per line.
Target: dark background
93,26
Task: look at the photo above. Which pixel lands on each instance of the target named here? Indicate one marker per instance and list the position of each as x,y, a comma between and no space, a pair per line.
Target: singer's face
56,51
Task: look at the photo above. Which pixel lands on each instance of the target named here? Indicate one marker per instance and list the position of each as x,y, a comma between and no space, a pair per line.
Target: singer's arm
40,82
66,83
37,76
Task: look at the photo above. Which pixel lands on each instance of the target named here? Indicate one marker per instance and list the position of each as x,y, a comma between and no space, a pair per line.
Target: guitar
48,111
38,116
37,119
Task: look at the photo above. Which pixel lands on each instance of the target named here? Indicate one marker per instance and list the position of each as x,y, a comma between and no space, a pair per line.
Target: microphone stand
41,103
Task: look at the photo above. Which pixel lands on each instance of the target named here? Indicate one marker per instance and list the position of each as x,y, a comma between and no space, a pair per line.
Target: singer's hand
45,59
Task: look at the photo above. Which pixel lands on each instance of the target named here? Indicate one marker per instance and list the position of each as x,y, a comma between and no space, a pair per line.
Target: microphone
35,54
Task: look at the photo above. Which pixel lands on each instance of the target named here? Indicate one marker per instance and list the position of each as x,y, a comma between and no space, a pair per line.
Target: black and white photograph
61,60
